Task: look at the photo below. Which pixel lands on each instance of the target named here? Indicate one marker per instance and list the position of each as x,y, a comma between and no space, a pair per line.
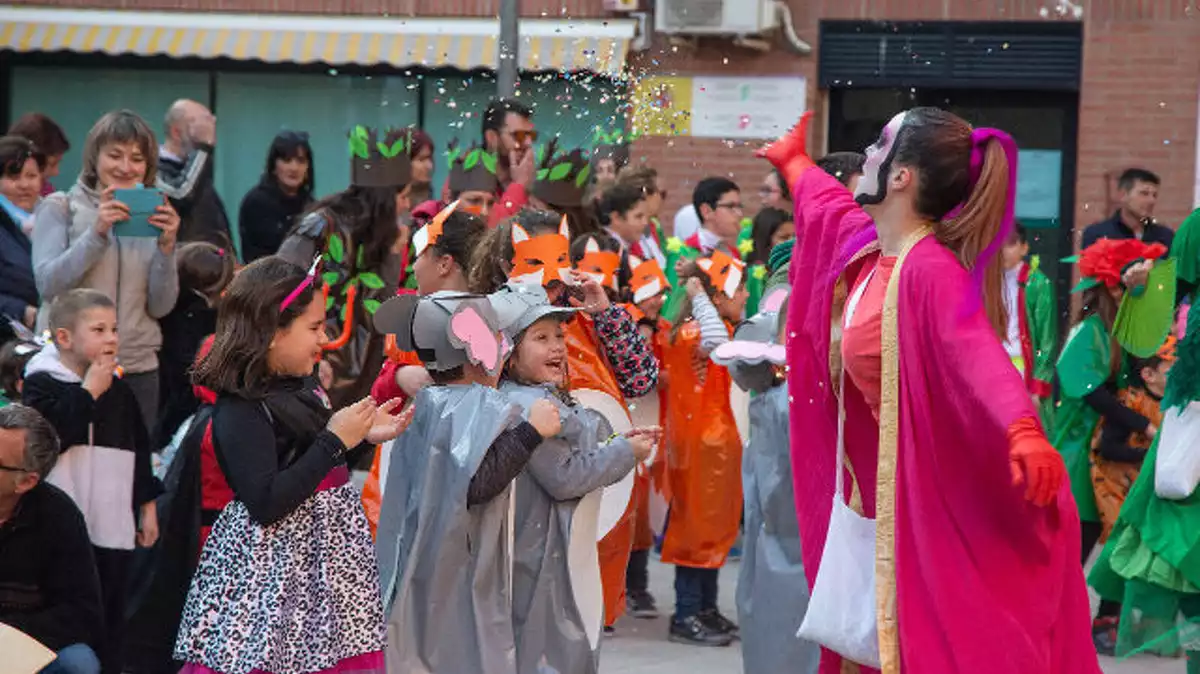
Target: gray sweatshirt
141,280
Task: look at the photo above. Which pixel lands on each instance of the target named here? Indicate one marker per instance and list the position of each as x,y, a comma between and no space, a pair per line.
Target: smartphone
142,203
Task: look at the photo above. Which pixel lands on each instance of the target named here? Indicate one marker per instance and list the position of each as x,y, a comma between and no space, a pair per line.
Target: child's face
632,224
1156,378
541,357
94,335
652,307
731,308
1014,251
297,348
785,231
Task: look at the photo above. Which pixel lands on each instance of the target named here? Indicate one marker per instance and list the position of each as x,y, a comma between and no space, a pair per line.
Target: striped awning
563,45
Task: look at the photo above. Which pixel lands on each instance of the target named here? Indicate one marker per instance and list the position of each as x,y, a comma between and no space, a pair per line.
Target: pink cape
985,581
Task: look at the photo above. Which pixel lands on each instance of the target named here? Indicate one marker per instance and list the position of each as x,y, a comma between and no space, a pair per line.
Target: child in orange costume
648,286
703,459
598,257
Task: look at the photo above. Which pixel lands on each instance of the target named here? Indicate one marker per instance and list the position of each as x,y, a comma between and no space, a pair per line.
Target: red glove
1035,462
789,154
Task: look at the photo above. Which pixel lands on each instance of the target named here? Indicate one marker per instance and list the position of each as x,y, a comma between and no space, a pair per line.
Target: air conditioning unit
715,17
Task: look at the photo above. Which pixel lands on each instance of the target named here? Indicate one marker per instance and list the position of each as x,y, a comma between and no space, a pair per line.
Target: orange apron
704,457
652,477
590,370
372,493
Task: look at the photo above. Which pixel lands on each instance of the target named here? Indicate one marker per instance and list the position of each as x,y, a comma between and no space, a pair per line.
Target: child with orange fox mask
704,448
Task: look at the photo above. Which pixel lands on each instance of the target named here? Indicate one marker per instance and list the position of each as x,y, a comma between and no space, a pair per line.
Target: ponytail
977,230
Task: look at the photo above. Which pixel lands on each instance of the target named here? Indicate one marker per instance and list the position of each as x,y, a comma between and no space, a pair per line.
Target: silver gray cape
445,569
558,606
772,593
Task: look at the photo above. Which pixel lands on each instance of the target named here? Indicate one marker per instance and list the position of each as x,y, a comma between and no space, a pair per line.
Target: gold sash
885,481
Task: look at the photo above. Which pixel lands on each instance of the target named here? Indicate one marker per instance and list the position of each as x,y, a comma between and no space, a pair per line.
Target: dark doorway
1044,124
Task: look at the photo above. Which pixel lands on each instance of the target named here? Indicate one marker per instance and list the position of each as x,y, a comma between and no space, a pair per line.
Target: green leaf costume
1085,364
1151,562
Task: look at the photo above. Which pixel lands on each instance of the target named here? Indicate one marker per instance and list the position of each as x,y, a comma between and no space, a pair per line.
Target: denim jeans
74,659
695,591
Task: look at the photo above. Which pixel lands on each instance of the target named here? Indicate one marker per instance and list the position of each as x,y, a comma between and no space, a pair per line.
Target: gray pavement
641,646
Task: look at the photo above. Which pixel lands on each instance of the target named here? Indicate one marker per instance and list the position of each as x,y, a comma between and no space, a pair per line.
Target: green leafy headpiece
561,177
472,170
380,159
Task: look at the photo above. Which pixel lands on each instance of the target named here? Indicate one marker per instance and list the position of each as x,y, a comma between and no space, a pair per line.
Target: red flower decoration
1107,258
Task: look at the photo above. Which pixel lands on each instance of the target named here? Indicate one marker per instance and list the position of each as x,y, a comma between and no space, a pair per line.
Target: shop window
253,107
77,97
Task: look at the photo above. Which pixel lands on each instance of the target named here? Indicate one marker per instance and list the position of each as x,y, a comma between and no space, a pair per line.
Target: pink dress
983,580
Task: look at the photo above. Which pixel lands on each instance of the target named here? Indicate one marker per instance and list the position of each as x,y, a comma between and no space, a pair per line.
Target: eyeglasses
765,192
731,205
13,469
525,135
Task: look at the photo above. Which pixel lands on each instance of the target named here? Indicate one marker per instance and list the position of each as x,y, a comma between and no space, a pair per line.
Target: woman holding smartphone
77,243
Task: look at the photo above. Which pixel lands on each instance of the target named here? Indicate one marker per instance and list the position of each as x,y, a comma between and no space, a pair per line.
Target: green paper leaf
560,171
471,160
542,173
328,303
489,161
346,289
384,151
371,306
360,131
581,179
337,250
359,259
342,312
329,278
453,154
358,148
397,147
370,280
541,154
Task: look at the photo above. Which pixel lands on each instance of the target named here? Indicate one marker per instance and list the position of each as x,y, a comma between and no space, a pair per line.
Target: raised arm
60,264
632,359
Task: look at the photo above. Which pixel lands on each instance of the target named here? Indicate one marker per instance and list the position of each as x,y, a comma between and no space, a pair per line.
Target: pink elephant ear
472,332
774,300
737,352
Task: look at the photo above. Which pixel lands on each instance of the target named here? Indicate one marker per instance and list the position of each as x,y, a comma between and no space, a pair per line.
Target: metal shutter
951,55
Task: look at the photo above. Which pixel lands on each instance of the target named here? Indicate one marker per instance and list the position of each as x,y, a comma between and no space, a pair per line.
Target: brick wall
1138,103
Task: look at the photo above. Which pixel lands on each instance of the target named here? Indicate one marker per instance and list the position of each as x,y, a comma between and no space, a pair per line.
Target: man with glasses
718,205
49,588
508,131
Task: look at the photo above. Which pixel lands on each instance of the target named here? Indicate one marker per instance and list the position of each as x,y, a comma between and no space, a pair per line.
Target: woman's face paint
872,186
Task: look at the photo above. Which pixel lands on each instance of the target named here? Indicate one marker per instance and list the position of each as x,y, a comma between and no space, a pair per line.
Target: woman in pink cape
977,537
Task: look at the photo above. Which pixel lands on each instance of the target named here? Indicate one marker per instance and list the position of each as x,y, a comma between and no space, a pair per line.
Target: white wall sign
746,107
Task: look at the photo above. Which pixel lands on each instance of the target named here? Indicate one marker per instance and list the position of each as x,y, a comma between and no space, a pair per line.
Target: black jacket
17,287
189,185
113,420
266,216
1113,228
183,330
49,588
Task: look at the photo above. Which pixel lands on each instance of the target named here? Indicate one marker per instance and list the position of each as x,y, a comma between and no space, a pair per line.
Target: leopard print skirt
299,596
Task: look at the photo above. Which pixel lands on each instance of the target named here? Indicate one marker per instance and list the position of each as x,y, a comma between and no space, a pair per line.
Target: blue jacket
17,287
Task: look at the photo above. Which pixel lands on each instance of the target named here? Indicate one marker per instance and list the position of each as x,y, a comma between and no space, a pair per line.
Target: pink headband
308,281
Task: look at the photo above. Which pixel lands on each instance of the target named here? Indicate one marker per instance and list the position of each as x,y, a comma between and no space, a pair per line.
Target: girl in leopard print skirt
287,581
